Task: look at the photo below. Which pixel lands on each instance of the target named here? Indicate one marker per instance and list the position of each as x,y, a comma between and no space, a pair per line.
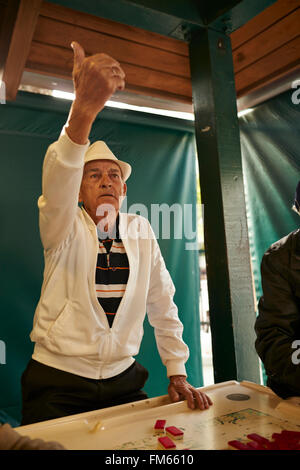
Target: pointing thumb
79,54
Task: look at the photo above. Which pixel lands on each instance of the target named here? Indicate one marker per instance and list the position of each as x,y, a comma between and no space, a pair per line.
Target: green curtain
162,153
270,143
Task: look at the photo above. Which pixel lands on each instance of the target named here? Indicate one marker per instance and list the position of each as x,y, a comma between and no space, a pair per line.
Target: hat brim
125,167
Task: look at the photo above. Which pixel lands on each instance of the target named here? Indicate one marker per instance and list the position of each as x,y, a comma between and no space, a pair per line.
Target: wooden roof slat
264,50
103,25
58,61
19,45
269,40
263,21
8,16
53,32
265,70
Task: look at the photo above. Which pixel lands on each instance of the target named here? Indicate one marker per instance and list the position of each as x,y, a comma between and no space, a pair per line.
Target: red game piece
255,445
292,434
159,426
166,443
271,445
238,445
276,436
174,432
260,439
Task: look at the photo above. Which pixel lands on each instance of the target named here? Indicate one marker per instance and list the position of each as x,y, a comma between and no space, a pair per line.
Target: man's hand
95,78
180,389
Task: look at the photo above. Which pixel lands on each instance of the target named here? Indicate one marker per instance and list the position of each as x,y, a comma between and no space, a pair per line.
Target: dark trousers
49,393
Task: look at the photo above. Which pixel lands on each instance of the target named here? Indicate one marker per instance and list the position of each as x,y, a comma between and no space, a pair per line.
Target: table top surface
239,409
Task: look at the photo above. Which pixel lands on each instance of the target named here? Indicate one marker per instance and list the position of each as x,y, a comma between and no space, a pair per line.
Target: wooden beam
112,28
269,68
58,61
263,22
158,66
21,37
8,16
231,302
52,32
272,39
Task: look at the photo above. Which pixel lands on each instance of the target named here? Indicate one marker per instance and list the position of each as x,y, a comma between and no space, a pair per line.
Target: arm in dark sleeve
278,324
12,440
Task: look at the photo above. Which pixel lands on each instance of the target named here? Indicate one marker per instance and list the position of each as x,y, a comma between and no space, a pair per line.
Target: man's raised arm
95,78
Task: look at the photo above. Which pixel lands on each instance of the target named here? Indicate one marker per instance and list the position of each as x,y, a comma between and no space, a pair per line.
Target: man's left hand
180,389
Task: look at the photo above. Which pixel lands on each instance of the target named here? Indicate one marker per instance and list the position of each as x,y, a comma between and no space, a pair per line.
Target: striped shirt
112,273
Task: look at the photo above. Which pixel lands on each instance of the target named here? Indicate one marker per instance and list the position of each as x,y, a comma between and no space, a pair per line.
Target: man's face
102,185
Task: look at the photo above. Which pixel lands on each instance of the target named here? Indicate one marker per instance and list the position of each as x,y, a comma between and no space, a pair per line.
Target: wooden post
231,303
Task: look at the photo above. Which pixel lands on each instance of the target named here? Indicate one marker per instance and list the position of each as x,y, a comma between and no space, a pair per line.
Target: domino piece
276,436
291,434
255,445
174,432
285,442
159,426
238,445
271,445
165,443
257,438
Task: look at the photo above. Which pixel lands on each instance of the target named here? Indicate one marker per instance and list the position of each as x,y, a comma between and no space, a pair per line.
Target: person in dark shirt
278,323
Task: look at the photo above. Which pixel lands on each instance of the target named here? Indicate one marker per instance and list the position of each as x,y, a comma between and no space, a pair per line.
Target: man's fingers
79,54
174,396
190,400
210,402
202,400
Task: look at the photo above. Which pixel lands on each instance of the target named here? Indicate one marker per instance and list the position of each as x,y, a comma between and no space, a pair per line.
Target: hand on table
180,389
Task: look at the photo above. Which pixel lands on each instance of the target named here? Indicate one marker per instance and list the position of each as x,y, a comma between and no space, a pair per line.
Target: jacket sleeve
278,324
62,174
12,440
163,316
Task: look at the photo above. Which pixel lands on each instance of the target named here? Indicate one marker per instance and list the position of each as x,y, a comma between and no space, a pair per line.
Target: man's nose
105,180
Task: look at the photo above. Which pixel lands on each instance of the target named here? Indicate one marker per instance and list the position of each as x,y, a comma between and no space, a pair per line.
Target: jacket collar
92,226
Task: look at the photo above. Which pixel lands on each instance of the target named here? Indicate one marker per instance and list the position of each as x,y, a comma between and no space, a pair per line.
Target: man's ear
124,189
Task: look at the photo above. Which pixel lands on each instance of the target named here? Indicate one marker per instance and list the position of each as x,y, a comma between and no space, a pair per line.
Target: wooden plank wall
154,65
265,49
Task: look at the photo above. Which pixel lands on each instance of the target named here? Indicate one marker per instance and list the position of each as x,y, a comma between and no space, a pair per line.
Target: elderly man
101,273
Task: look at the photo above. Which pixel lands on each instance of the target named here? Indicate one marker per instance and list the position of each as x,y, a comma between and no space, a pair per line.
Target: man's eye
95,175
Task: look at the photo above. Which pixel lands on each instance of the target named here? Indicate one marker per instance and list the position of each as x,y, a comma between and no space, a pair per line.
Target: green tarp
270,142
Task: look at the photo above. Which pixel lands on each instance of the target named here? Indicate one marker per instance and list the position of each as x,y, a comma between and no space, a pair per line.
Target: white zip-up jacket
70,328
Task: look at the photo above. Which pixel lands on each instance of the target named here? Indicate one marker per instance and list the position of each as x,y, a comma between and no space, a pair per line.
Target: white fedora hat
100,151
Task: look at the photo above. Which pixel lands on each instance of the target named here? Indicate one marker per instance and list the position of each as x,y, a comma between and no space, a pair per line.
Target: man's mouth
107,194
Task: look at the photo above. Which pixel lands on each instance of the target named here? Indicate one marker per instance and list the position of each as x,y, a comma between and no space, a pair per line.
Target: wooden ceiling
36,37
